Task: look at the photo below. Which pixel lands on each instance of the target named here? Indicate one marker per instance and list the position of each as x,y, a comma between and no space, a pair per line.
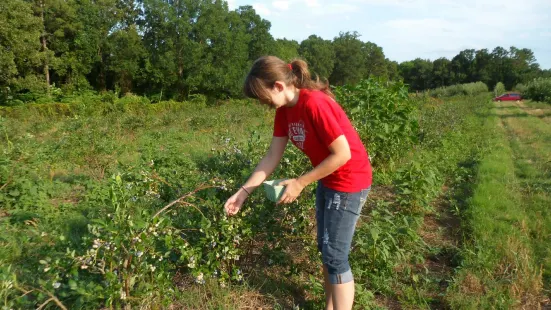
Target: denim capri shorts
336,217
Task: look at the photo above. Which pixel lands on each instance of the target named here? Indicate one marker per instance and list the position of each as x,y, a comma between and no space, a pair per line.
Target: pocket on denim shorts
335,200
356,201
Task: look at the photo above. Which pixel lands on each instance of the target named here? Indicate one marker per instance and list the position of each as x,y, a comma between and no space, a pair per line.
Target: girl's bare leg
328,290
343,295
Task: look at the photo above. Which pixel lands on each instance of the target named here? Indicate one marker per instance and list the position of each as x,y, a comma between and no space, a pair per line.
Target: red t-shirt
312,125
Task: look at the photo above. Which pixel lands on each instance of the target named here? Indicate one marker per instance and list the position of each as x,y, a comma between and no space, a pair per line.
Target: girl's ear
279,86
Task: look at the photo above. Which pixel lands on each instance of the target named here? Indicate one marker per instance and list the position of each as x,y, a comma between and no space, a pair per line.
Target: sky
408,29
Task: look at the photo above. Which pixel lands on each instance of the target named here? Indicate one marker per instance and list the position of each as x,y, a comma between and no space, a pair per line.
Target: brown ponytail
267,70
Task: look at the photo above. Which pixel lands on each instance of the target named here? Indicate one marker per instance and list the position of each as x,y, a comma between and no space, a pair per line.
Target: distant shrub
520,88
198,100
109,96
539,90
499,89
471,89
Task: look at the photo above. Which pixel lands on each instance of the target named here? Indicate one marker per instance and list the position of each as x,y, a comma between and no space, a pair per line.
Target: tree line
511,67
177,48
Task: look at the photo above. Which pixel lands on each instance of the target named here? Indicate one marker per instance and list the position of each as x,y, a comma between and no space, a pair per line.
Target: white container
273,190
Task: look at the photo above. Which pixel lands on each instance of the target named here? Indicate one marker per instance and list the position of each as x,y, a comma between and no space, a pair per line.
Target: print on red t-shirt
297,134
312,125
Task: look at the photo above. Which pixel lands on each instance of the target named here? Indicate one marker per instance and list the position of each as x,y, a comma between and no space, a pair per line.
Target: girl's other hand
292,190
234,203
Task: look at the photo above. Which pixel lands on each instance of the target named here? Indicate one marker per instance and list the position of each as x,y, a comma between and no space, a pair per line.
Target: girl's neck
293,97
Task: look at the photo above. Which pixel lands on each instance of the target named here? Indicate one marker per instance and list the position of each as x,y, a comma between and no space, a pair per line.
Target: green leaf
374,233
72,284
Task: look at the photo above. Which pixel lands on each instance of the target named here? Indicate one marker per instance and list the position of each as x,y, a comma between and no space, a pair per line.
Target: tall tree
319,54
417,73
261,41
500,65
462,67
441,72
126,55
224,50
482,63
392,70
286,49
375,62
350,63
524,64
171,43
101,19
19,44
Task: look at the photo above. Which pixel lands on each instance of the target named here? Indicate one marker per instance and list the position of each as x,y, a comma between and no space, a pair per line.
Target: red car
509,97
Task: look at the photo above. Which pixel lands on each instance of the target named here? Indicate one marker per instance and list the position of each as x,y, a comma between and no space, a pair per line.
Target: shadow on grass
269,263
453,217
514,115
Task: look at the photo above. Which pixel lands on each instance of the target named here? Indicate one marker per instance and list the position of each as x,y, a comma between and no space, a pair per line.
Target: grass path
506,260
529,133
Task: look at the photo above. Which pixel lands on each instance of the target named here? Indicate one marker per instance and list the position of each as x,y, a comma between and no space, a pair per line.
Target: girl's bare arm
268,163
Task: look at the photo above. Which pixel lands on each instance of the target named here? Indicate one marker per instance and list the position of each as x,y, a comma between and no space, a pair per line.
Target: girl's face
281,95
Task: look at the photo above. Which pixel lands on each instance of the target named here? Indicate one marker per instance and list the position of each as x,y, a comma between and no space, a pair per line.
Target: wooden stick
182,198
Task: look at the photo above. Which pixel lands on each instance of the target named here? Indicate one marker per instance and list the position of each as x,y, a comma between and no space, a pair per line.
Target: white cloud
312,3
261,9
407,29
342,7
232,4
333,9
432,26
401,3
428,29
281,5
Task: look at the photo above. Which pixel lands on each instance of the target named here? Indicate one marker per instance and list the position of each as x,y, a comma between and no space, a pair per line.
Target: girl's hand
292,190
234,203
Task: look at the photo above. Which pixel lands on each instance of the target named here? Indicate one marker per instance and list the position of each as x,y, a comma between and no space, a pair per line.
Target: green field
124,129
458,216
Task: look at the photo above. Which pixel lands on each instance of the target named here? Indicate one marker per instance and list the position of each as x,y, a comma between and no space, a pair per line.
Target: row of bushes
538,90
94,104
468,89
384,116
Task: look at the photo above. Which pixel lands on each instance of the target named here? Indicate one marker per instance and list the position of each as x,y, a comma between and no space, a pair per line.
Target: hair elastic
246,191
290,66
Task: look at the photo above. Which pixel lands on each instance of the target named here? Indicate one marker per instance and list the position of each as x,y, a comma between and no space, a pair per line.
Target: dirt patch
472,285
441,232
441,228
533,111
388,303
204,297
382,192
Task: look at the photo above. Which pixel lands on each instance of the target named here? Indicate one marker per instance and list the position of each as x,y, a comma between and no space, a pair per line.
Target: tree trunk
44,50
101,74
